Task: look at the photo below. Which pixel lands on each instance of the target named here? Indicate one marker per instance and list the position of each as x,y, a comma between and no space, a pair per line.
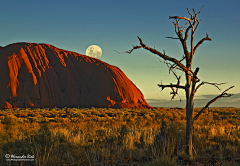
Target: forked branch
224,94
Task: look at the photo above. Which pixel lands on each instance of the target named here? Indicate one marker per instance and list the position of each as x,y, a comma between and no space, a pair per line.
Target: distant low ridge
41,75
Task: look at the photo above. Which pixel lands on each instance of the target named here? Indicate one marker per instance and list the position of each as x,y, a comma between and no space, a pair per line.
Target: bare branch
177,29
165,57
223,94
195,14
190,14
120,52
183,27
130,51
197,25
186,33
201,41
194,11
201,9
172,37
215,84
180,18
174,91
226,91
134,48
171,86
174,65
178,83
178,78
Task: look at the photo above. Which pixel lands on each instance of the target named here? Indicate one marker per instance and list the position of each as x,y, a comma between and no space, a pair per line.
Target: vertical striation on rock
41,75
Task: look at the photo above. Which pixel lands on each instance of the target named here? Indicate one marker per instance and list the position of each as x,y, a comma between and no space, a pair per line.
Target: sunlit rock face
41,75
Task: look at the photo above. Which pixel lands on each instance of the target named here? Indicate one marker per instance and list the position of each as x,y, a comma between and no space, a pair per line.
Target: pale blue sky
114,25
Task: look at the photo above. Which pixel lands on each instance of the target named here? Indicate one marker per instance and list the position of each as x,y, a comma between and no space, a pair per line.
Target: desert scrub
118,136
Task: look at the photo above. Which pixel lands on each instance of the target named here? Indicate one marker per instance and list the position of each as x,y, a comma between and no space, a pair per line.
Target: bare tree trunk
189,120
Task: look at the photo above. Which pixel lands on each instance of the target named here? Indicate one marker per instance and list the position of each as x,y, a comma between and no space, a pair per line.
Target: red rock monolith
41,75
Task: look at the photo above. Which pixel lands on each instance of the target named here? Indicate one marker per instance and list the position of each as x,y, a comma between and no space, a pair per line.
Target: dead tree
192,82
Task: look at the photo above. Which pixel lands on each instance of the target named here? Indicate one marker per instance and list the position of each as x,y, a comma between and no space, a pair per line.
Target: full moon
94,51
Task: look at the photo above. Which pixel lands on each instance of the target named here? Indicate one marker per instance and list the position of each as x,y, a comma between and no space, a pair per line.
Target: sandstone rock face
41,75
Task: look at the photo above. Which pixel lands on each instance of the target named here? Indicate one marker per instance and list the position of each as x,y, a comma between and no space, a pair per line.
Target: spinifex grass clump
94,136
